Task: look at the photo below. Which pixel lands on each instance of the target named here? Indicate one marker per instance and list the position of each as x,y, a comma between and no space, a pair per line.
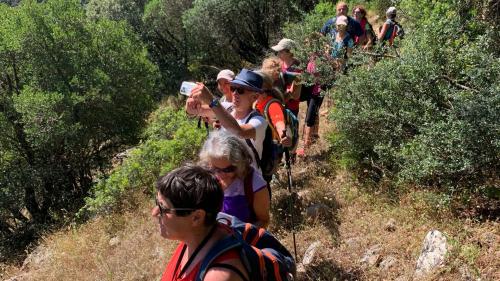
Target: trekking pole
290,184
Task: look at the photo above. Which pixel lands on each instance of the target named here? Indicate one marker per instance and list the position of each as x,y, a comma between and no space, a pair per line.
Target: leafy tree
72,93
228,31
130,11
170,139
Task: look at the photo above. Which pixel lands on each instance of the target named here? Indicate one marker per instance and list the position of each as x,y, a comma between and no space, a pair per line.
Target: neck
195,239
240,113
288,61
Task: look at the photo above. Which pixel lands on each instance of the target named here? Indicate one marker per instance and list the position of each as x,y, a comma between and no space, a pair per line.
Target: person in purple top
246,195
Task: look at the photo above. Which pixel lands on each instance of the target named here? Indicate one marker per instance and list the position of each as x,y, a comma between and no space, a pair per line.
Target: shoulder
330,21
222,274
227,267
257,120
258,181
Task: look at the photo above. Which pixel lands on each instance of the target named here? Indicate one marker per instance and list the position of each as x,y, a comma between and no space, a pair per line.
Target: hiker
271,97
311,126
391,27
246,195
367,39
342,44
188,200
353,27
224,79
289,67
241,122
281,81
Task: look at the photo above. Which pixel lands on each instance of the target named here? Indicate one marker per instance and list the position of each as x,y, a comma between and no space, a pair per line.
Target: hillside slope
332,209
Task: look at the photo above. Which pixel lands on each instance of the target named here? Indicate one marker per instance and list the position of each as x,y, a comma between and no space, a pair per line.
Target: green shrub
171,138
430,117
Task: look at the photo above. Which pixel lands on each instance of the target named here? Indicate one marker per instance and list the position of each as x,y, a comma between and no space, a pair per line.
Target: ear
255,96
198,218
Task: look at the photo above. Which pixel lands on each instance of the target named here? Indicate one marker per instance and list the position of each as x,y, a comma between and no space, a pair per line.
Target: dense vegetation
170,139
429,117
78,80
72,94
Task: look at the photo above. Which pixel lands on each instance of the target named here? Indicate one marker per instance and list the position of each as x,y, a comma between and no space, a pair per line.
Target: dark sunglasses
238,90
164,210
227,170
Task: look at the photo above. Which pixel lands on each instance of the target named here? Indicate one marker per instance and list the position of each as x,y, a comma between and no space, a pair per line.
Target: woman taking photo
246,195
187,202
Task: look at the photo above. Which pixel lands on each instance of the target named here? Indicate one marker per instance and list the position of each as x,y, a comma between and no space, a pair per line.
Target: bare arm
195,107
225,274
381,35
261,205
201,95
245,131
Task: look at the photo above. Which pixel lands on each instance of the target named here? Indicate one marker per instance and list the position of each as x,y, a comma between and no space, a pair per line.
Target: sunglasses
227,170
164,210
238,90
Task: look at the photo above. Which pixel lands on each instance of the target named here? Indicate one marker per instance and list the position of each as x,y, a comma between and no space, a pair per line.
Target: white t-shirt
260,125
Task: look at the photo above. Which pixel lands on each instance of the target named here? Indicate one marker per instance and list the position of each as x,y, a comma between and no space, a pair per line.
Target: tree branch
456,84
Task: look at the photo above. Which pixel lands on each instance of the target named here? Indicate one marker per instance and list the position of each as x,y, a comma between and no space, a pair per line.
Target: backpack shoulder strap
248,188
249,142
224,245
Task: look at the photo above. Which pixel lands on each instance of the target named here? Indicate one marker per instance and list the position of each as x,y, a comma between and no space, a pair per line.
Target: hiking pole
290,184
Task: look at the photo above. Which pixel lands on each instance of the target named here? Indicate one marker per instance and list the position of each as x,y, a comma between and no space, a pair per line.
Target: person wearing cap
342,42
290,74
387,30
242,121
224,79
353,27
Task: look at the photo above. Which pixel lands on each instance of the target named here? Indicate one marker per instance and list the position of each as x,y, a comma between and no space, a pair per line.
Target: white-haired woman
246,195
387,31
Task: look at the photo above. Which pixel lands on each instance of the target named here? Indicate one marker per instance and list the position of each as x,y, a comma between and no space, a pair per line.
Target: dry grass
354,223
85,253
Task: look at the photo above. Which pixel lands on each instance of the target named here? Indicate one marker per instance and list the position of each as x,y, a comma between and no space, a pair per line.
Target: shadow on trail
329,270
305,212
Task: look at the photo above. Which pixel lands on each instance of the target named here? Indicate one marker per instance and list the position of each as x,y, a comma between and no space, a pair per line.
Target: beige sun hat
284,44
225,74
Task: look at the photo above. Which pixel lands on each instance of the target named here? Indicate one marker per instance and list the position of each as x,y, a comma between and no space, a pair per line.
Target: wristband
215,102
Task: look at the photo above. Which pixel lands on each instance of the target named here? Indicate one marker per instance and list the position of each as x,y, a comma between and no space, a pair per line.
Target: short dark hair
192,186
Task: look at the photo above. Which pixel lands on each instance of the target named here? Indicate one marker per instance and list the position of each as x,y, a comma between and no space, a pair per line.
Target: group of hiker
255,123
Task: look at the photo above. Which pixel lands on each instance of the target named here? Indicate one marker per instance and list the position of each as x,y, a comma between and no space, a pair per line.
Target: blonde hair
271,63
268,86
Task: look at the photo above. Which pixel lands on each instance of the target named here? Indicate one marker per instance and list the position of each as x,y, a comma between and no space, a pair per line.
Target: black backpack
272,152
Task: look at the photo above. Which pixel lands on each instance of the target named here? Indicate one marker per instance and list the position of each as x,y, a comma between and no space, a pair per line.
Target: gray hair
222,144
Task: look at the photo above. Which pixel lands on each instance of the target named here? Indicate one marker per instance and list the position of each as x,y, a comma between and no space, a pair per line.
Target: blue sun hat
249,80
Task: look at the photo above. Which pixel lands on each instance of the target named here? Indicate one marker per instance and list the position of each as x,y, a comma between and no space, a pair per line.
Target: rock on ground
433,253
310,252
